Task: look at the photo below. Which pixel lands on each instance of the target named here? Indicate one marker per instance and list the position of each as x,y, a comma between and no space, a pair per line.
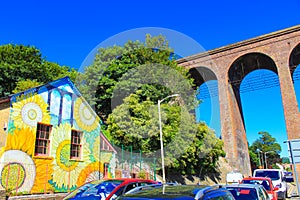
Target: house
51,140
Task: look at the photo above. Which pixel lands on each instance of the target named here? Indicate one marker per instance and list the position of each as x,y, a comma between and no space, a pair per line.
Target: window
42,141
76,137
106,166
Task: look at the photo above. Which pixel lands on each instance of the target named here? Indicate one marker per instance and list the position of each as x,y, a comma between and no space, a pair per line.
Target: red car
107,189
264,181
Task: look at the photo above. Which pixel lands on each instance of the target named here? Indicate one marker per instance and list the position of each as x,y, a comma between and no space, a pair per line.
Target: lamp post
161,137
259,151
266,158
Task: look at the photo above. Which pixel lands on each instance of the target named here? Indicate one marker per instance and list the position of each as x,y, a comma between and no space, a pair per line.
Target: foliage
135,123
286,160
25,84
202,155
142,174
20,63
265,143
128,82
134,66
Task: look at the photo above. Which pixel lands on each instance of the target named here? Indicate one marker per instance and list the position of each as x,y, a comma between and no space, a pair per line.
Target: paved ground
292,191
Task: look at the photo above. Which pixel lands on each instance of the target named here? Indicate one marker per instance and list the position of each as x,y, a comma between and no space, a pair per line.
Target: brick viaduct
279,52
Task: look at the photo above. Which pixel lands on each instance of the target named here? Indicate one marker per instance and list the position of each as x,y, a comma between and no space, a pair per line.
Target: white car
278,180
234,177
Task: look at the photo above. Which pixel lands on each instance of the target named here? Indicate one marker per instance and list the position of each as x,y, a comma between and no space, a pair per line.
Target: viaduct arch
279,52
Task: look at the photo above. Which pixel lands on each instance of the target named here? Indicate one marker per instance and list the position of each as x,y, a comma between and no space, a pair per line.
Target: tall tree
19,63
125,84
265,147
190,148
142,59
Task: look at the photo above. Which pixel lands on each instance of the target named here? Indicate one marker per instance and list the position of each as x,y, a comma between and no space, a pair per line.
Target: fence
134,164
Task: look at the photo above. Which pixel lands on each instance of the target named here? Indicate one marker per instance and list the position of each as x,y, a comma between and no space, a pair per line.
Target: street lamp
266,158
259,151
161,136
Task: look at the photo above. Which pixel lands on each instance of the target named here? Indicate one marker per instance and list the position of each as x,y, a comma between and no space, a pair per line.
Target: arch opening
244,65
259,105
294,63
208,110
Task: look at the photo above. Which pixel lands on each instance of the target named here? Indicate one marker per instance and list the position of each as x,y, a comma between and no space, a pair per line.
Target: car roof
245,185
258,178
168,191
177,191
268,170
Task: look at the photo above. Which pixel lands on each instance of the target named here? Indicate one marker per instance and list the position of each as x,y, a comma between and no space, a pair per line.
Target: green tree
189,147
113,63
127,83
25,84
19,63
265,143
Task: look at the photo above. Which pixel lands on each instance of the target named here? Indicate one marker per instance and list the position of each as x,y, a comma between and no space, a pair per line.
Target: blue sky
67,31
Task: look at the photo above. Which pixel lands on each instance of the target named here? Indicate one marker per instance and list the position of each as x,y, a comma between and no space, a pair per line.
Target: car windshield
94,188
264,183
77,192
105,187
241,193
274,175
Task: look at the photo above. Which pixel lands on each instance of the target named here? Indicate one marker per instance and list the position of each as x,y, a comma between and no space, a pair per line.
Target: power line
259,80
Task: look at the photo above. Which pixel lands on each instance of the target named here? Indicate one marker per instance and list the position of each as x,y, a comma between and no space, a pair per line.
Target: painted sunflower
29,111
23,140
66,171
44,171
84,116
92,172
17,171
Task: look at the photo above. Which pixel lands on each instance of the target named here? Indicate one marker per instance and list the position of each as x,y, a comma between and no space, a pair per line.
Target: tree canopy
125,83
265,147
19,63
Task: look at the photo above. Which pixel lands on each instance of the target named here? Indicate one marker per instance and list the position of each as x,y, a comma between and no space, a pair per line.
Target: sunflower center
63,156
86,113
32,114
12,176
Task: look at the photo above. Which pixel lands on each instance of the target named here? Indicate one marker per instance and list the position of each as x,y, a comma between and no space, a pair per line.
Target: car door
262,193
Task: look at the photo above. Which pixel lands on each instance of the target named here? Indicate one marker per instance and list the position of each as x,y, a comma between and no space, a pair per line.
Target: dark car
107,189
184,192
248,191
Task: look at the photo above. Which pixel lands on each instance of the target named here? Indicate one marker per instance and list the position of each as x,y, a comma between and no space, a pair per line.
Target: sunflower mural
29,110
20,172
95,170
84,116
23,171
66,171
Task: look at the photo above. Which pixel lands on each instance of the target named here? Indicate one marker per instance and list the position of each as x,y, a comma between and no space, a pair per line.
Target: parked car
278,180
265,182
288,176
248,191
107,189
184,192
234,177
